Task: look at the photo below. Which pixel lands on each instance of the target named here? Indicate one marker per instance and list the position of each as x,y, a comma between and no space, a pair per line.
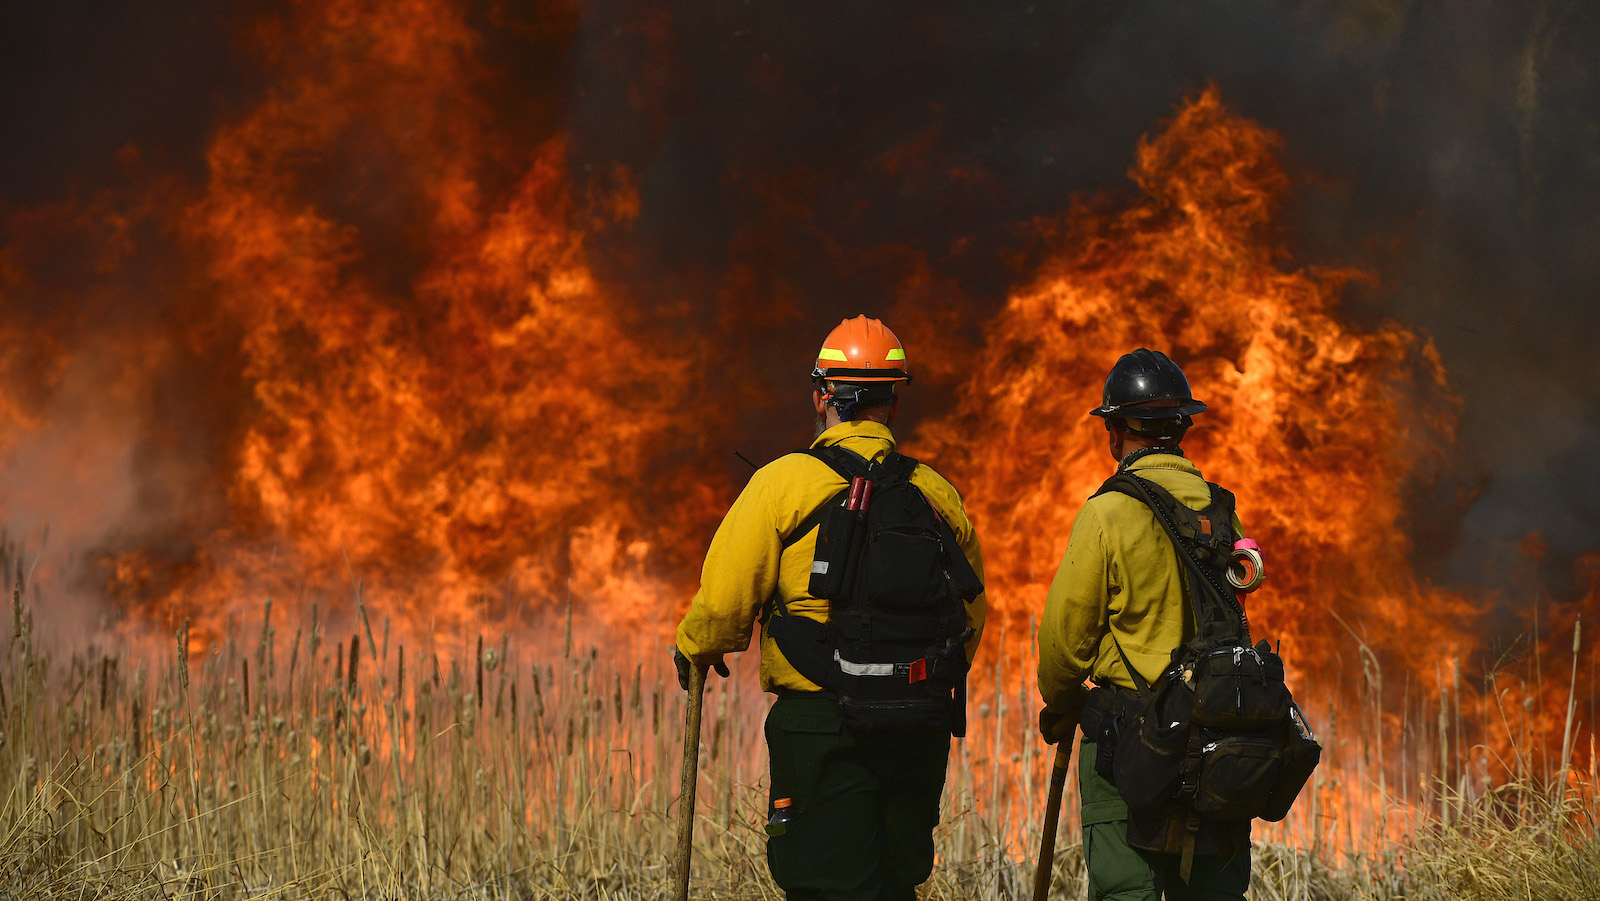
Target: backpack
1218,738
897,584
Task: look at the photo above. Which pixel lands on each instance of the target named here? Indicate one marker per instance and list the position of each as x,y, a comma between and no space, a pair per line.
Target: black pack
1218,738
897,584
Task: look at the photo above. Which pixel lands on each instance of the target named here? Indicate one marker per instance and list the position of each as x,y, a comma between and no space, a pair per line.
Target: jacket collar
1165,461
855,429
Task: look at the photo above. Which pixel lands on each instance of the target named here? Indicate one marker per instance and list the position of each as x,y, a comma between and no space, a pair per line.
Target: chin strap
851,399
847,401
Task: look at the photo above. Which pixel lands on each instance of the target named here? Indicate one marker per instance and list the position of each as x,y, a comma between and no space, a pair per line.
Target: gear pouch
836,536
1301,754
1237,775
1240,688
1151,748
889,715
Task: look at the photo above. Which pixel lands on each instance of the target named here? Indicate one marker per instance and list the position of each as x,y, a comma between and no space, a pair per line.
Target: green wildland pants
1118,872
865,804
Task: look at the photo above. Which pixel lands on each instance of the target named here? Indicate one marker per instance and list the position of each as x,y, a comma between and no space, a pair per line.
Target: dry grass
1515,842
352,769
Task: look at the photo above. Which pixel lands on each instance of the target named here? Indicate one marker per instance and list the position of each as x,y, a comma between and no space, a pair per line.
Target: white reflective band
862,669
820,567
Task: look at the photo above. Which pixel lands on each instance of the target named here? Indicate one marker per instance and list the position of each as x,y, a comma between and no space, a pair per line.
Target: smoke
81,81
792,165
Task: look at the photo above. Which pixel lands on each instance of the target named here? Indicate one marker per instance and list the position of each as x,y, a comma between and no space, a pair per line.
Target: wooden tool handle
1052,819
691,778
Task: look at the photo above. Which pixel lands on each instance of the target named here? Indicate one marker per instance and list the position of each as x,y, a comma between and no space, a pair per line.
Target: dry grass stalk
193,780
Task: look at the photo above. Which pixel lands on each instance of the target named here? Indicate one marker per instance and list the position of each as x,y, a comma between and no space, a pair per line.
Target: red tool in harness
860,495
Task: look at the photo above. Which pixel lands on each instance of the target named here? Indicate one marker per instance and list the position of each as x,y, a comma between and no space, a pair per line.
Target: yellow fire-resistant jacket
747,561
1119,577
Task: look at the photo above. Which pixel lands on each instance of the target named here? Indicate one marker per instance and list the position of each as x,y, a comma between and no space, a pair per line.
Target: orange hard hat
862,350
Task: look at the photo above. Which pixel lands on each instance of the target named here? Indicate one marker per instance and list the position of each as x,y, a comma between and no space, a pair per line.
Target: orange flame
445,405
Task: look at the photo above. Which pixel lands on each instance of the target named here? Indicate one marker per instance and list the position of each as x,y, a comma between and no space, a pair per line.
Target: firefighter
1120,595
853,809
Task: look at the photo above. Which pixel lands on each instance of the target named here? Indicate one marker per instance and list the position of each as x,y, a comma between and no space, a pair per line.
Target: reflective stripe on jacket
747,562
1118,577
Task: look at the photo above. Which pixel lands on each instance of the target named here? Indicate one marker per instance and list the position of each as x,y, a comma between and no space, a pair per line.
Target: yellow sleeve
1075,617
739,575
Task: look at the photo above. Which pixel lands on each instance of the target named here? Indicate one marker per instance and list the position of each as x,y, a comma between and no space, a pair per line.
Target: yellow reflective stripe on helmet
898,353
829,353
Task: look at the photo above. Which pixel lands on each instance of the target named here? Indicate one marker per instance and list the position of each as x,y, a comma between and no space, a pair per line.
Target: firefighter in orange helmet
857,369
854,791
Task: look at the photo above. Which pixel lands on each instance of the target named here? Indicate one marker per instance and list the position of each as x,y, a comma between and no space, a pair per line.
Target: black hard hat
1141,377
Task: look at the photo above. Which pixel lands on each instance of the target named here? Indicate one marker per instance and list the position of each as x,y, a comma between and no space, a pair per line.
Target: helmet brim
1188,407
842,374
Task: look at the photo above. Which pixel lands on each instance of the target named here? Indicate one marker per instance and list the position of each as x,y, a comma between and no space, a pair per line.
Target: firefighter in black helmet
1148,396
1120,585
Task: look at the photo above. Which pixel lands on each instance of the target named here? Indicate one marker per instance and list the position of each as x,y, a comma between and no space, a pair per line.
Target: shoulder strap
894,469
813,519
1222,512
1223,501
1223,505
1213,605
846,463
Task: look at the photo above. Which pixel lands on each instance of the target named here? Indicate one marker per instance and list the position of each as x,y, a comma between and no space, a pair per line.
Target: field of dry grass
344,767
